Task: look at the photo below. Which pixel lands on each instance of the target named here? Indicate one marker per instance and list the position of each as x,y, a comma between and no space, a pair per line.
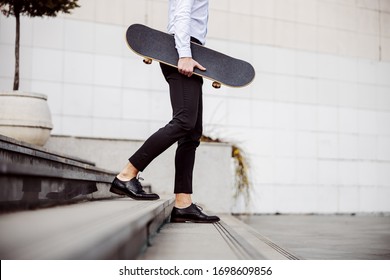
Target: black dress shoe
192,213
132,188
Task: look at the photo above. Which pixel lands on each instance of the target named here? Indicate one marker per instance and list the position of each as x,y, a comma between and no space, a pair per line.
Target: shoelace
199,207
138,183
139,178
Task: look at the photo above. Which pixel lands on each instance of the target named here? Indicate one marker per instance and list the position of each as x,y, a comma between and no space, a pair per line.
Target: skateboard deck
160,46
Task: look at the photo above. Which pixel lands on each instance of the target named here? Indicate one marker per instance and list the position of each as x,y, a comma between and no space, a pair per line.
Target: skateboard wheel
147,60
216,85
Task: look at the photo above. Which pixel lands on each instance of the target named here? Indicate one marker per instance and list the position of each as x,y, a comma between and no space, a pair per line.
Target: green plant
32,8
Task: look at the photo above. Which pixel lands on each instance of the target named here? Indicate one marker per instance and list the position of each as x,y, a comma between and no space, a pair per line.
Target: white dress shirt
187,18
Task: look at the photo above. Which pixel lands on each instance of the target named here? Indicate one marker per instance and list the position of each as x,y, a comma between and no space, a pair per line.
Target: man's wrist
184,53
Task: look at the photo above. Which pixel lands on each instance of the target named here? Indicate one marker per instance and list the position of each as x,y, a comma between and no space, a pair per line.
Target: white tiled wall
315,123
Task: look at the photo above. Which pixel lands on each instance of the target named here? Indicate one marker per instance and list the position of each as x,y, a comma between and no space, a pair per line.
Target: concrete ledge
106,229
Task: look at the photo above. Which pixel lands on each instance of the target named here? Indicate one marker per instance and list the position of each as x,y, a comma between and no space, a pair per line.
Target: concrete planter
25,117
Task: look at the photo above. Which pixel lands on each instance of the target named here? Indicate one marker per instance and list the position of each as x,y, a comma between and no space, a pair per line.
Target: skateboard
221,69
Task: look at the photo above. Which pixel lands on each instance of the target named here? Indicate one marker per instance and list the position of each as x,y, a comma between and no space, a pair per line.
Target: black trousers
184,128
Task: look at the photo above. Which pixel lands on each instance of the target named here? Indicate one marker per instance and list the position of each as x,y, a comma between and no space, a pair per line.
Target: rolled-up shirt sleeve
187,18
182,21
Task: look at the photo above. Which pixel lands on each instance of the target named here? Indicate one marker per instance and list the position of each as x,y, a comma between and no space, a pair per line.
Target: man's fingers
186,66
200,67
185,72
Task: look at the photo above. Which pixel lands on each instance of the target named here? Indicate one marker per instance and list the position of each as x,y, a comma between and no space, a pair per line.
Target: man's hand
186,66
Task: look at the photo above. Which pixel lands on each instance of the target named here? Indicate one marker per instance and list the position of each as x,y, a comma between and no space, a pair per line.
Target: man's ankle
128,172
183,200
124,177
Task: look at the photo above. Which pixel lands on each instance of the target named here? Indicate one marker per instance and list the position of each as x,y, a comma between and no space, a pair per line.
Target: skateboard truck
216,85
147,60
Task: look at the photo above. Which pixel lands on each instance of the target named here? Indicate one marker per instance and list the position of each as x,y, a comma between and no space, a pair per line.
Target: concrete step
104,226
31,176
229,239
105,229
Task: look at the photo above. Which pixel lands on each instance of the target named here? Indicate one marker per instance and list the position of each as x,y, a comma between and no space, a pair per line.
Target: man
187,21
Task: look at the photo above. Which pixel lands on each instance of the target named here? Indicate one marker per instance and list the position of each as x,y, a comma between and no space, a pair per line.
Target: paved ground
327,237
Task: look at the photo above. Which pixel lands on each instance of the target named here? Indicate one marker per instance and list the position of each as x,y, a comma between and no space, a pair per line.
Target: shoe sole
181,220
119,192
